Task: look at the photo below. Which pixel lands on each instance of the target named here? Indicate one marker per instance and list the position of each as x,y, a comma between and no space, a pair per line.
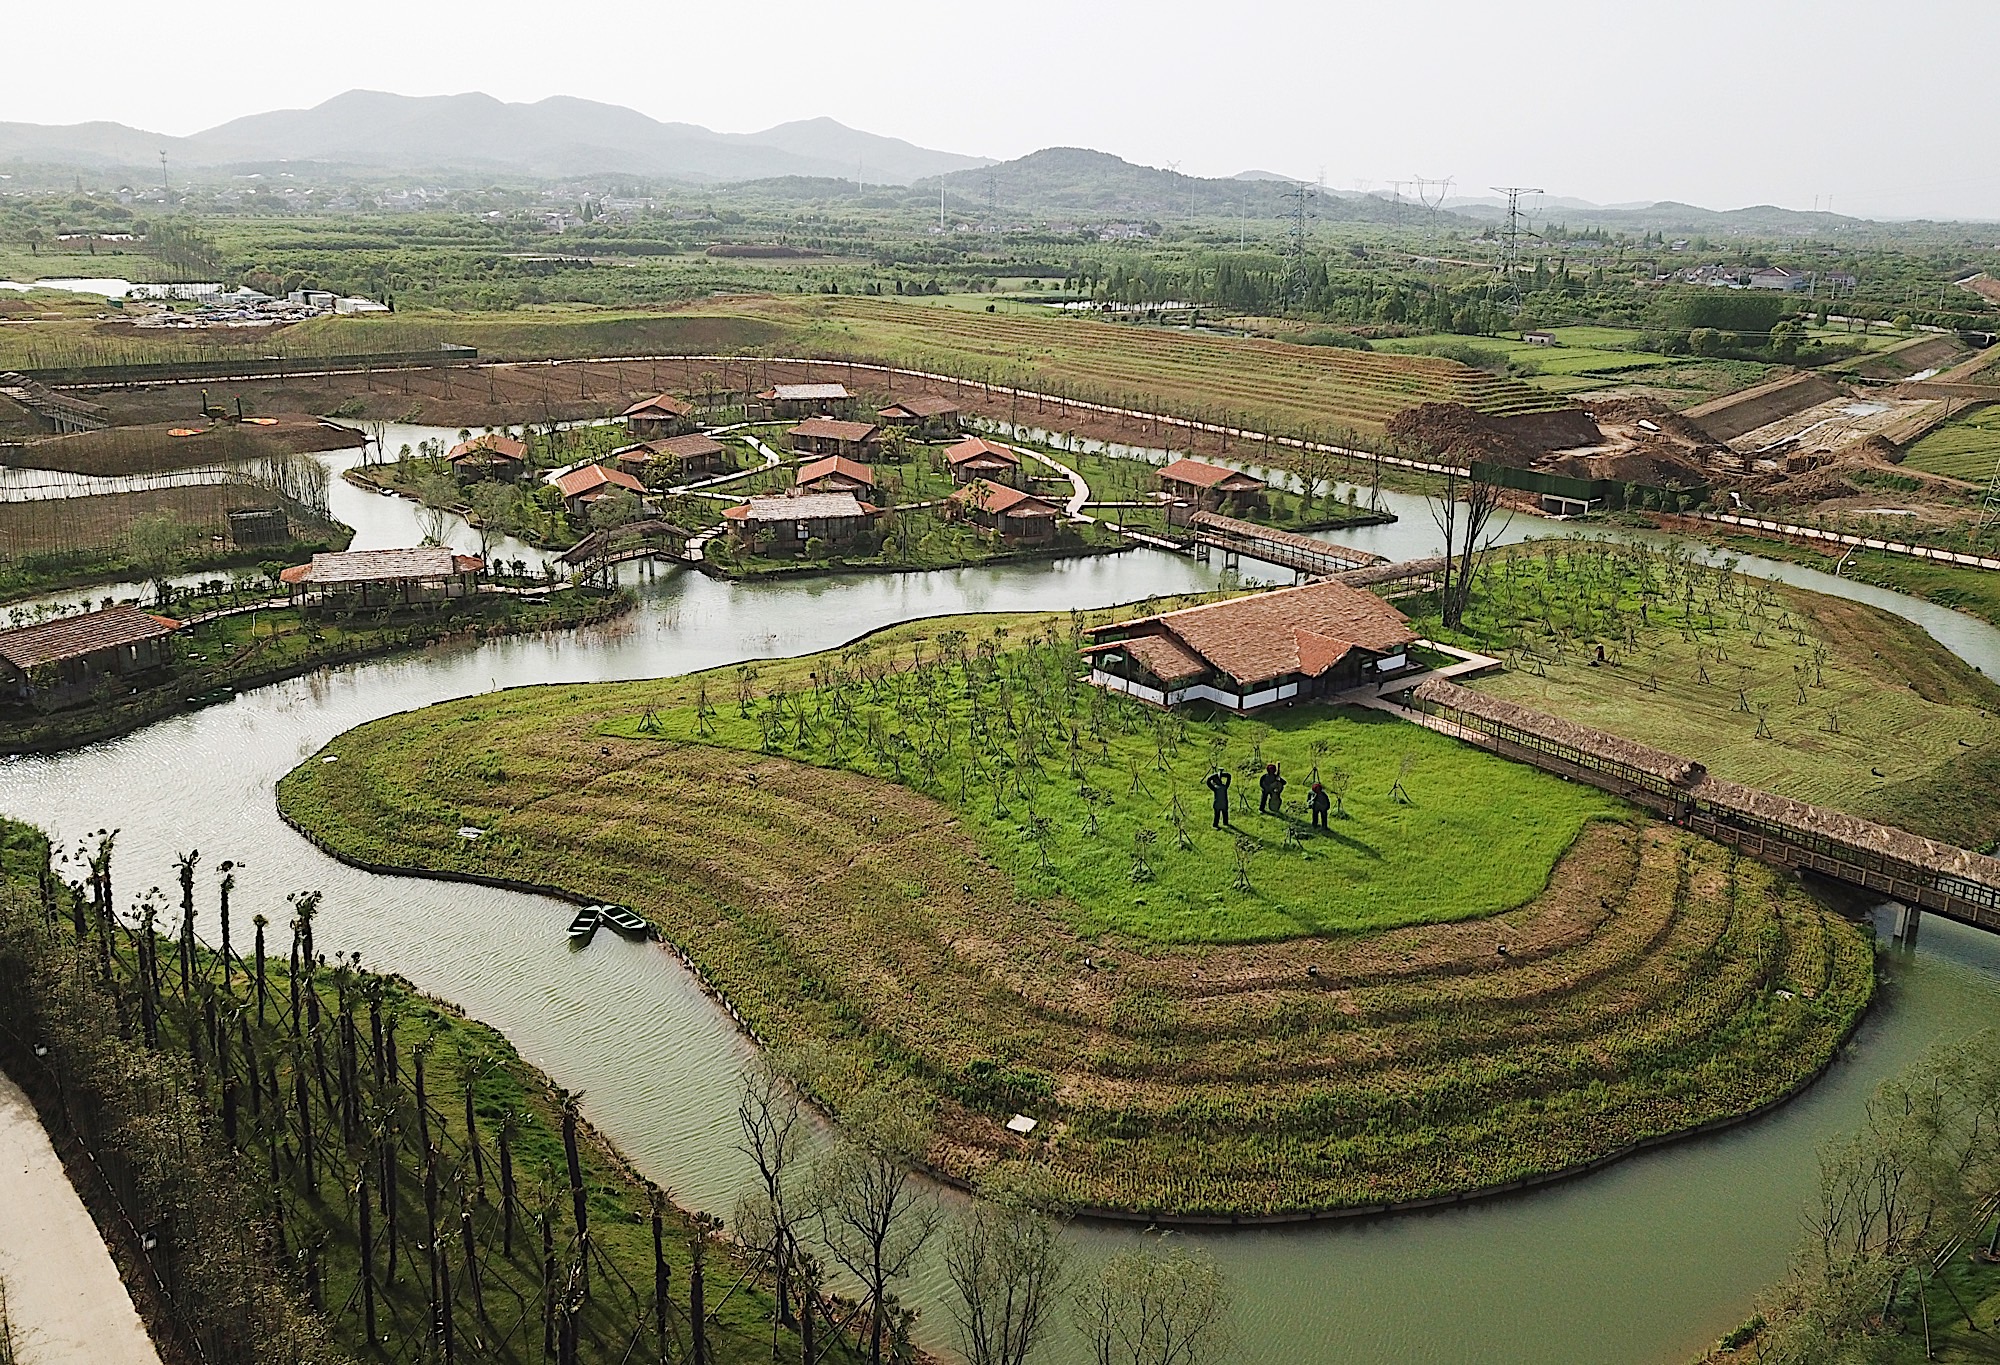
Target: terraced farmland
1248,381
1655,983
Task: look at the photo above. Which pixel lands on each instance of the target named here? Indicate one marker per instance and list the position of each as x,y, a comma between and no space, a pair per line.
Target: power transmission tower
1301,195
1510,294
1989,506
1426,187
992,199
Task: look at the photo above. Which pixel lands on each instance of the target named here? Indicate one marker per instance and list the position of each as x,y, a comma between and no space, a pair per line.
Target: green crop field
1819,698
1383,1029
1966,447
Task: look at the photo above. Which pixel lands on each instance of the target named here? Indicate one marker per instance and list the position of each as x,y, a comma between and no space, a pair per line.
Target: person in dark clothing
1218,783
1319,803
1271,789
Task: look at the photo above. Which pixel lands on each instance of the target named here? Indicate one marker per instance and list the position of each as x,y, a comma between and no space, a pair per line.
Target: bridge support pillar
1909,919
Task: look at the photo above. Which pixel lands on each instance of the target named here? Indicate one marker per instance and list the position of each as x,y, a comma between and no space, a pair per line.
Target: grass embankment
57,543
251,649
1966,447
1819,698
1192,1047
292,1099
1976,592
149,449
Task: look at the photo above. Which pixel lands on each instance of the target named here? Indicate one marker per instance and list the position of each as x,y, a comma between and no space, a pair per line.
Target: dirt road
65,1302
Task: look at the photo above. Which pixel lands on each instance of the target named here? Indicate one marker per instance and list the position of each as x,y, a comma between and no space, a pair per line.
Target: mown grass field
1653,983
1822,699
1966,447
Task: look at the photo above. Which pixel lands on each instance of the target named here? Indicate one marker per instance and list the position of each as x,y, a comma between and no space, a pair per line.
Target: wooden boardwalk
1288,549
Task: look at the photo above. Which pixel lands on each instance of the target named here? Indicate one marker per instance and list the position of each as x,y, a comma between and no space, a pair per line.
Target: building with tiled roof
977,458
661,415
494,455
1210,487
1018,518
694,453
923,413
831,436
1247,652
801,400
592,483
66,658
836,474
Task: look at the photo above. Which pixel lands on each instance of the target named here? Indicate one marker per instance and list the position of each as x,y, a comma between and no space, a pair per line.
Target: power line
1514,192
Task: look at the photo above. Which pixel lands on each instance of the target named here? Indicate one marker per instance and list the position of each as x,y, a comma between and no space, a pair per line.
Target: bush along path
319,1164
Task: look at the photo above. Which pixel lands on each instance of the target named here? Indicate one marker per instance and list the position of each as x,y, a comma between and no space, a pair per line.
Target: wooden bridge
1917,873
598,552
1313,558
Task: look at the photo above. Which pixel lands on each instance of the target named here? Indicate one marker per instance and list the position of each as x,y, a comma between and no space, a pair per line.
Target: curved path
65,1302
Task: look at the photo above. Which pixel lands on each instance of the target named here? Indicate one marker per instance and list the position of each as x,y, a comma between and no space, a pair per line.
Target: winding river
1641,1264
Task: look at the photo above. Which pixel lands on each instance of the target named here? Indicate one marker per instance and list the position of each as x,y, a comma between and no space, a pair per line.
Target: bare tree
1006,1260
1462,512
1149,1306
772,1118
873,1215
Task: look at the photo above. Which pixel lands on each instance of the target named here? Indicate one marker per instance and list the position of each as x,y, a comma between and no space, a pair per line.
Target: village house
977,459
1777,277
836,474
782,523
661,415
922,415
584,488
1540,338
62,661
1211,488
830,436
807,400
687,456
491,456
355,579
1017,518
1291,644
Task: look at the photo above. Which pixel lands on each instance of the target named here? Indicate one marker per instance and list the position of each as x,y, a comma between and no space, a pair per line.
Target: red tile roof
979,448
72,637
836,464
1162,655
492,443
659,405
1271,634
922,406
692,447
834,429
593,477
1203,475
997,499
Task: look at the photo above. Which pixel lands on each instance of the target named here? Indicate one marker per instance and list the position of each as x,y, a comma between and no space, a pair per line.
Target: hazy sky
1874,106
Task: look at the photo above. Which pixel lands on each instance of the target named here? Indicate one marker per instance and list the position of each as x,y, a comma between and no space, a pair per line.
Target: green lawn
1966,447
1099,799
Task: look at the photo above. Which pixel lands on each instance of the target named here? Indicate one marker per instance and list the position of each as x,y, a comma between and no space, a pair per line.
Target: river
1642,1264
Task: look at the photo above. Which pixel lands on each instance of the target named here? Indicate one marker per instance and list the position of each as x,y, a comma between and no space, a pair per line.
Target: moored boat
626,921
584,925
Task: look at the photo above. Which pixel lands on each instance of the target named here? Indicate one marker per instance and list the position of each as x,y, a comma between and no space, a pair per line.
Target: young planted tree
872,1214
1007,1262
772,1118
1154,1307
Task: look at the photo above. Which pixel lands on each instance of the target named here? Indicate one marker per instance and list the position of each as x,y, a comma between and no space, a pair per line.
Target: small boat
584,925
387,492
212,696
625,921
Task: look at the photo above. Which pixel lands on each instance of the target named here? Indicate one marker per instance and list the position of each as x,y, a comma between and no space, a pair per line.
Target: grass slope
1656,983
1861,710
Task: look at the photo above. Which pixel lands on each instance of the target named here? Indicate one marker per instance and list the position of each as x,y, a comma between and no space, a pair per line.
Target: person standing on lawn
1218,783
1319,803
1271,787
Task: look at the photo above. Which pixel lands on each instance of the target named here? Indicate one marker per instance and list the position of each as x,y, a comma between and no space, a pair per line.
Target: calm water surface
1644,1263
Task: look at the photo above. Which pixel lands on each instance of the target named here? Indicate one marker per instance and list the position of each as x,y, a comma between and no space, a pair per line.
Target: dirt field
1840,422
1727,418
65,1302
151,449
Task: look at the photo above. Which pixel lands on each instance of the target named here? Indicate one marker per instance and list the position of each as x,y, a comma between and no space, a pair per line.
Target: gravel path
65,1301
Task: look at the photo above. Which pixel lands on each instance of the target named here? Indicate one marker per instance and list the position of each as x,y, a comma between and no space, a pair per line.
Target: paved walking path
1079,490
65,1301
1894,547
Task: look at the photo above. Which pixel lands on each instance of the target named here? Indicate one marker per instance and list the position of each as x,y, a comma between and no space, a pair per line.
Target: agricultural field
1818,698
1430,998
1965,447
112,537
153,449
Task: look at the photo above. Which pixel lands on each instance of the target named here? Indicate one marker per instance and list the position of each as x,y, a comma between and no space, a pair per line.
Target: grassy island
941,855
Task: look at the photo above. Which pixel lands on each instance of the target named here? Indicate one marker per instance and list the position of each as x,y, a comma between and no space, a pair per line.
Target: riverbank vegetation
1898,1260
1816,697
329,1165
1976,592
241,648
1014,946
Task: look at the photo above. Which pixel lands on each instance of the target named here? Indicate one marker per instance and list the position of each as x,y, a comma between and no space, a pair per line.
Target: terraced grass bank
1504,979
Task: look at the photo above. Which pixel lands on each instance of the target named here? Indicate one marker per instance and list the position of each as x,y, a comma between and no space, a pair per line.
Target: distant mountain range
551,139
